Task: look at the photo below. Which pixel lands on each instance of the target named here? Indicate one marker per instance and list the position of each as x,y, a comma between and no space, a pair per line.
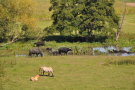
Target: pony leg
43,72
40,71
48,73
52,74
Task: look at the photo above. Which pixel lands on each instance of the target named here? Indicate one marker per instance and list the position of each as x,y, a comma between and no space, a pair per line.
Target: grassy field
41,9
130,0
129,24
71,73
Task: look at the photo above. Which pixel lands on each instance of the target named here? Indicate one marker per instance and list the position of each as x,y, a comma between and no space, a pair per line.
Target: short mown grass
71,73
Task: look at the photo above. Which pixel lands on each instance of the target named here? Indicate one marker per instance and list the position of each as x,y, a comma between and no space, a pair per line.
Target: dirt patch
130,4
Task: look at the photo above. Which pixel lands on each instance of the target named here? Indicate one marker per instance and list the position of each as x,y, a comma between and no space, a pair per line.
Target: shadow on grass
42,75
45,75
75,38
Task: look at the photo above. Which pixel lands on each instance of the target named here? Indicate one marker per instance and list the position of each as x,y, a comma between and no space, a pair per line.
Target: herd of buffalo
62,50
36,51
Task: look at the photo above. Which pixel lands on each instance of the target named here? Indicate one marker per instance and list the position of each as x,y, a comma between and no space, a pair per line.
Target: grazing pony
44,69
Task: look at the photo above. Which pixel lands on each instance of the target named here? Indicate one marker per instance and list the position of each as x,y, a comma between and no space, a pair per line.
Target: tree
15,15
87,16
97,16
62,16
121,23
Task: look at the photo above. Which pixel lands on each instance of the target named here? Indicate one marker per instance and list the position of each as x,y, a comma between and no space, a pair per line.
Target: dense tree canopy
62,16
89,17
16,20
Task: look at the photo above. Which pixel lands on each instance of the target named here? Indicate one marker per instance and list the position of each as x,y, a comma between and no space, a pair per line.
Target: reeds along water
81,51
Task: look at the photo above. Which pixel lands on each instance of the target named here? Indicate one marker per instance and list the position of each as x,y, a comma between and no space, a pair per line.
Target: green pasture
130,0
41,9
129,24
71,73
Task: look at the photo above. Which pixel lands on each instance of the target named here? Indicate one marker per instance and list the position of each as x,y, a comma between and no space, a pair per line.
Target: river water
105,50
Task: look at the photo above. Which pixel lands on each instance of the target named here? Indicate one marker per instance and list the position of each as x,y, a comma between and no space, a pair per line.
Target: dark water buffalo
35,51
121,51
48,49
52,52
55,53
64,50
41,43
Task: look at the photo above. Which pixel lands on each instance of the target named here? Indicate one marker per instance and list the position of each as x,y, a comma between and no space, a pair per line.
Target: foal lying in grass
35,78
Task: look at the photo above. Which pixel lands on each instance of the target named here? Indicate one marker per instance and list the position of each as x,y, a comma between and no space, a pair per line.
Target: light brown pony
44,69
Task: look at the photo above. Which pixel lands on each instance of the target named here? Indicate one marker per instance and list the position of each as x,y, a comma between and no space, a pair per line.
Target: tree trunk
118,33
60,33
89,35
120,25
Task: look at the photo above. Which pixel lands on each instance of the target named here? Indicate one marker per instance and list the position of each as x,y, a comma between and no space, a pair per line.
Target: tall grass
2,73
4,63
123,62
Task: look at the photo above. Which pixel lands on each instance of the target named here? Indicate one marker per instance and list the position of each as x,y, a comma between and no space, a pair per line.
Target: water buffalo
55,53
64,50
40,43
48,49
121,51
52,52
35,51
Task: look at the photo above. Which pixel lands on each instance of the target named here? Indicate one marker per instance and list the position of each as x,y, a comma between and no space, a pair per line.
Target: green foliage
98,16
61,16
85,16
15,14
132,49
